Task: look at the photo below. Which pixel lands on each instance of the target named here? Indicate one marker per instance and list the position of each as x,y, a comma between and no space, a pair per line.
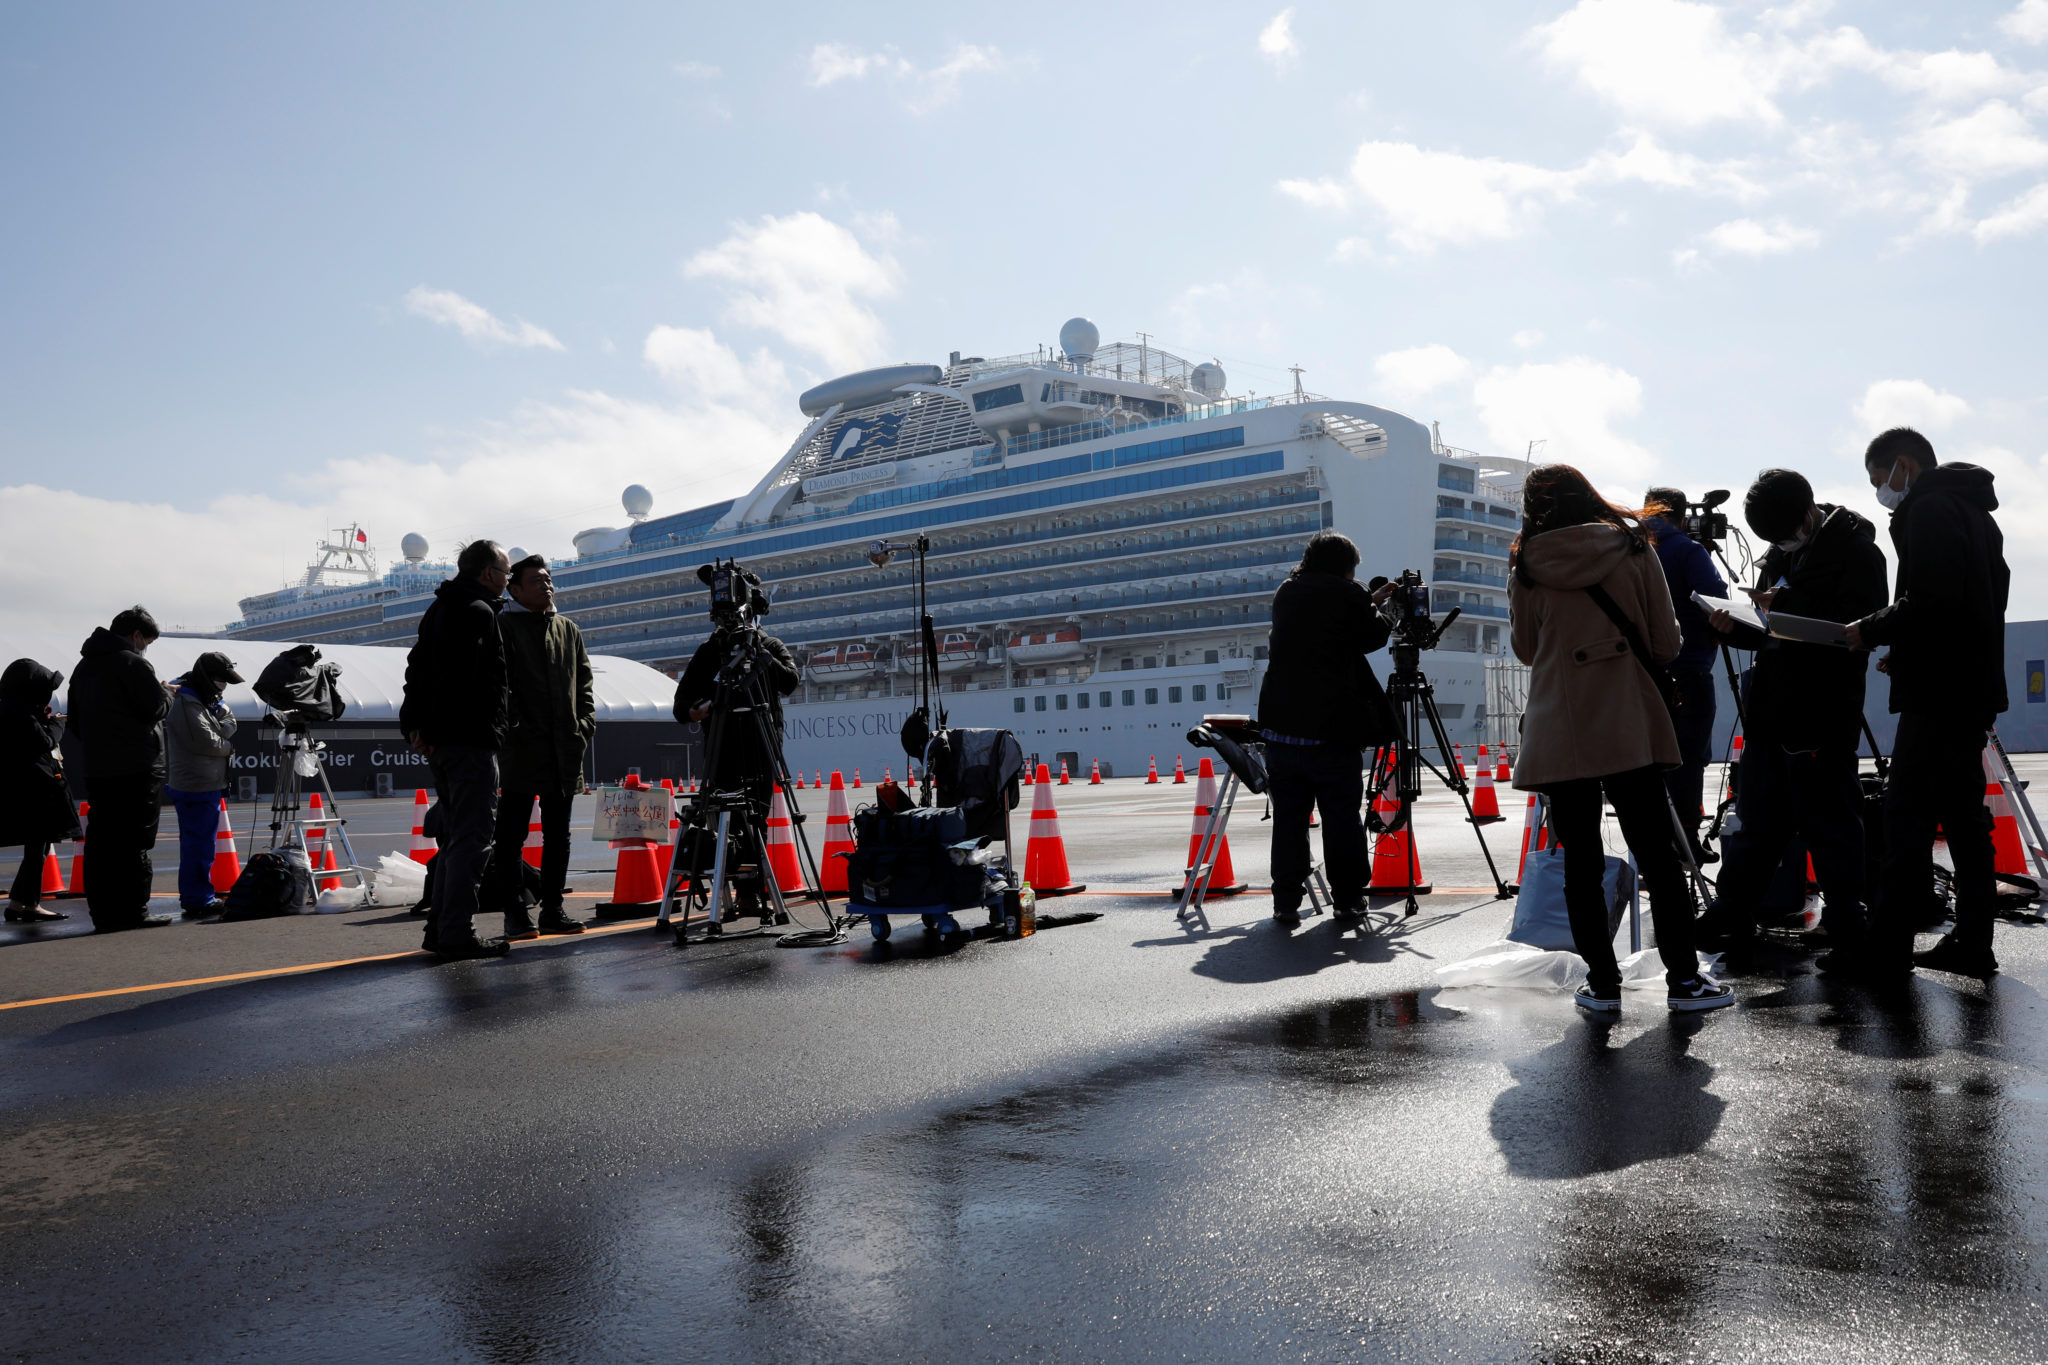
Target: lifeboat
1053,646
956,652
847,661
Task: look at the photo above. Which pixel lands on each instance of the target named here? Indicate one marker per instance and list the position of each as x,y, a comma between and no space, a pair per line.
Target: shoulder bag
1660,676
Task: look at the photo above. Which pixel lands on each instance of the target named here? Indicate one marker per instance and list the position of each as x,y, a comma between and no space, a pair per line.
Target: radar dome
516,553
1079,338
1208,379
413,547
637,500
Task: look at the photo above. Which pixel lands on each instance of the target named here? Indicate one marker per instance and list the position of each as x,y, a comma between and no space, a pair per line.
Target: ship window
1173,695
1260,651
1152,661
1450,476
1007,396
1151,696
1208,657
1103,698
1130,697
1129,664
1202,689
1038,702
1059,703
1017,704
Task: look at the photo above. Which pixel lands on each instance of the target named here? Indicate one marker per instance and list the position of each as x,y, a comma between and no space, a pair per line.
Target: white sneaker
1701,994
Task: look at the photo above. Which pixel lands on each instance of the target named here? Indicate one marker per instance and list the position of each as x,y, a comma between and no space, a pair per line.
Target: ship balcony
1446,540
1508,523
1479,580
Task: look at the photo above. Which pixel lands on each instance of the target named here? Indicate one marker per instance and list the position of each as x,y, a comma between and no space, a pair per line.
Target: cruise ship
1107,525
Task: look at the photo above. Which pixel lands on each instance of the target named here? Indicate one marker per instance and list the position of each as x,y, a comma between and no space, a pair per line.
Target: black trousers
1329,778
28,879
119,836
1639,799
1695,726
515,808
1810,796
1937,779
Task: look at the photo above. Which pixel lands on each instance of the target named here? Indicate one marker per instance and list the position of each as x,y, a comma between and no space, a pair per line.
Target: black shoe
212,907
1350,913
427,940
519,933
1287,916
17,913
1951,956
557,922
463,950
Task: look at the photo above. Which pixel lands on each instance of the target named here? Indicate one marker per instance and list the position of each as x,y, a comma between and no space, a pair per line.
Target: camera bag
912,862
265,889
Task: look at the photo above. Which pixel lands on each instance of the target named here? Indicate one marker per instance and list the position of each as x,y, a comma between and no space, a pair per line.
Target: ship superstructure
1107,524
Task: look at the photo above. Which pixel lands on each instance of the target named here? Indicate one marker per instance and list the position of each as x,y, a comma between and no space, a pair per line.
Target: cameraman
1319,707
743,764
1688,569
1946,629
1805,713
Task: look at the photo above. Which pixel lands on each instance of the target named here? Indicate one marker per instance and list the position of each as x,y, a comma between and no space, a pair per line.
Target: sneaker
1700,994
1350,912
474,948
1287,916
520,933
212,907
556,922
1951,956
17,913
1595,1001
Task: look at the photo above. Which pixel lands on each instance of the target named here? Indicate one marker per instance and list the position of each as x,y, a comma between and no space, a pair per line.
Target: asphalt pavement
1120,1139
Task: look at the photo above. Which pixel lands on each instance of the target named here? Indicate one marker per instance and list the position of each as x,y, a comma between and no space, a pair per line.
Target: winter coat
1318,684
1688,569
1946,623
201,735
553,708
34,805
455,673
1803,696
1592,710
116,710
774,666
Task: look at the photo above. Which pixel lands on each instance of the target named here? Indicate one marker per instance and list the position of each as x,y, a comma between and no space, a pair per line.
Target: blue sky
470,270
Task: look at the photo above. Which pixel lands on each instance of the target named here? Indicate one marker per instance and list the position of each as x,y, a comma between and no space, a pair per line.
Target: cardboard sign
624,813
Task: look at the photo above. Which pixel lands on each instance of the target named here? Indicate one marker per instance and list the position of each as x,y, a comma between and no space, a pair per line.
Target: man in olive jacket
553,713
117,709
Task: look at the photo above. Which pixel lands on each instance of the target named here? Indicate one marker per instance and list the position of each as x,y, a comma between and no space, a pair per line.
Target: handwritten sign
627,813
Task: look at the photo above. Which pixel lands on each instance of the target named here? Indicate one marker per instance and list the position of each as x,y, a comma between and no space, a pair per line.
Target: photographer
739,652
200,734
1592,619
1804,715
1946,629
1320,706
117,707
1688,569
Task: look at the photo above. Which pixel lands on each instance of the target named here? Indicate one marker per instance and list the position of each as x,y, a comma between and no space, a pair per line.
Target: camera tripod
300,760
735,821
1414,703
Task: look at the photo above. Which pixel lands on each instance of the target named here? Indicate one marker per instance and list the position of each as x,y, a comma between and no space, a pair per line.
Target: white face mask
1889,497
1798,542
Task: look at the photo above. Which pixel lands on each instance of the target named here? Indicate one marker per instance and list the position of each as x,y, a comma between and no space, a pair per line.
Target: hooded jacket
34,805
1805,696
1946,623
1688,569
117,708
1593,710
553,705
1318,684
455,673
201,735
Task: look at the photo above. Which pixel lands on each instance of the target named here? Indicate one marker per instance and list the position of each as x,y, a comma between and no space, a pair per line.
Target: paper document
1784,625
1745,613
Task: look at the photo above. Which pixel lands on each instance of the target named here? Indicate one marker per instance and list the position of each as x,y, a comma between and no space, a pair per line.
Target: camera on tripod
736,597
1407,610
1702,523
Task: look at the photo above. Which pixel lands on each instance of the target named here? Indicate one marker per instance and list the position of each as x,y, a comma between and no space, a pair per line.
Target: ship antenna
1295,370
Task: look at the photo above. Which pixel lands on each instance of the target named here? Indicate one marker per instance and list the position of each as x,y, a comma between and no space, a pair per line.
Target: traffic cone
636,878
1027,775
1458,759
856,779
1094,772
227,864
665,854
1396,862
2009,856
817,779
530,850
1502,774
888,774
782,845
1222,878
1045,856
53,873
423,848
838,839
1180,772
1152,771
328,864
78,850
1535,835
1063,772
1485,804
910,776
316,835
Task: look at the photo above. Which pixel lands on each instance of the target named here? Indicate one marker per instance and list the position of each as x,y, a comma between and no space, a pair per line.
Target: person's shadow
1580,1106
1264,952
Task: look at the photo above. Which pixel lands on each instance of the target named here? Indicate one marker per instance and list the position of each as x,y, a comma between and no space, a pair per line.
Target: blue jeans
198,824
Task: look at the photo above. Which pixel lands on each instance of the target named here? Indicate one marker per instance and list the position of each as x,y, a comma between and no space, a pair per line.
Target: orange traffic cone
636,880
1152,771
1063,772
316,834
838,839
1223,877
328,864
78,850
888,774
53,873
1396,862
2009,856
1027,774
1094,772
530,850
1045,857
227,864
1485,803
910,775
1502,774
782,845
1535,835
856,779
1458,759
423,849
665,854
1180,772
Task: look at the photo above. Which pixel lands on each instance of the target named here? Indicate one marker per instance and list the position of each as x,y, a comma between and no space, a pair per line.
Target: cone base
611,910
1042,892
1214,890
1422,890
1484,819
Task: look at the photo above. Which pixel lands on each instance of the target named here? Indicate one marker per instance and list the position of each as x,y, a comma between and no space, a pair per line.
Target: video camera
1407,610
736,595
1701,522
300,689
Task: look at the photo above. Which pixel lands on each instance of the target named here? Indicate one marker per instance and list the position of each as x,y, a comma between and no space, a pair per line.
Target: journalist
1797,775
1592,618
552,712
1320,707
454,713
1945,628
35,806
1688,569
117,709
200,736
744,761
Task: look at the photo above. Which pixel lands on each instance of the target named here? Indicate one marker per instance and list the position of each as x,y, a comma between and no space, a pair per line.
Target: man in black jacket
1319,708
1946,630
117,708
743,763
1805,712
455,713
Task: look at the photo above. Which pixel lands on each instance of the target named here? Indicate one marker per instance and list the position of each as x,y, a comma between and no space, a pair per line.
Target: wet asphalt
1117,1140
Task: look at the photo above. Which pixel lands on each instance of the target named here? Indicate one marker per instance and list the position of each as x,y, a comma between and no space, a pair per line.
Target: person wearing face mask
117,715
200,735
1946,631
1688,569
1798,774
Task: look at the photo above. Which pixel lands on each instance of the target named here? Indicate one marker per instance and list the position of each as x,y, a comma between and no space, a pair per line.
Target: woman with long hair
1588,600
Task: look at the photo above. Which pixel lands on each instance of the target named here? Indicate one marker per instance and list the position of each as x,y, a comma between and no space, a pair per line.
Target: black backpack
265,889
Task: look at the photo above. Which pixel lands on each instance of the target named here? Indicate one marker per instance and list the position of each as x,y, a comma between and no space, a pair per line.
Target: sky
470,270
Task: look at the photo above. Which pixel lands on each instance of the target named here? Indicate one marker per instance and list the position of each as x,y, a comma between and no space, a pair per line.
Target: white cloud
1419,371
1527,337
834,62
474,321
1913,403
1993,141
2028,22
1664,61
1276,40
926,88
806,279
2023,216
1747,237
695,361
1572,405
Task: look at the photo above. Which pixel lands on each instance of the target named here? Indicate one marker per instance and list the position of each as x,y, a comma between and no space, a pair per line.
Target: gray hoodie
200,735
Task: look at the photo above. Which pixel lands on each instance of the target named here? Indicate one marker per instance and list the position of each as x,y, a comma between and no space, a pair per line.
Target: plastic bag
399,879
337,898
1507,963
1540,916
